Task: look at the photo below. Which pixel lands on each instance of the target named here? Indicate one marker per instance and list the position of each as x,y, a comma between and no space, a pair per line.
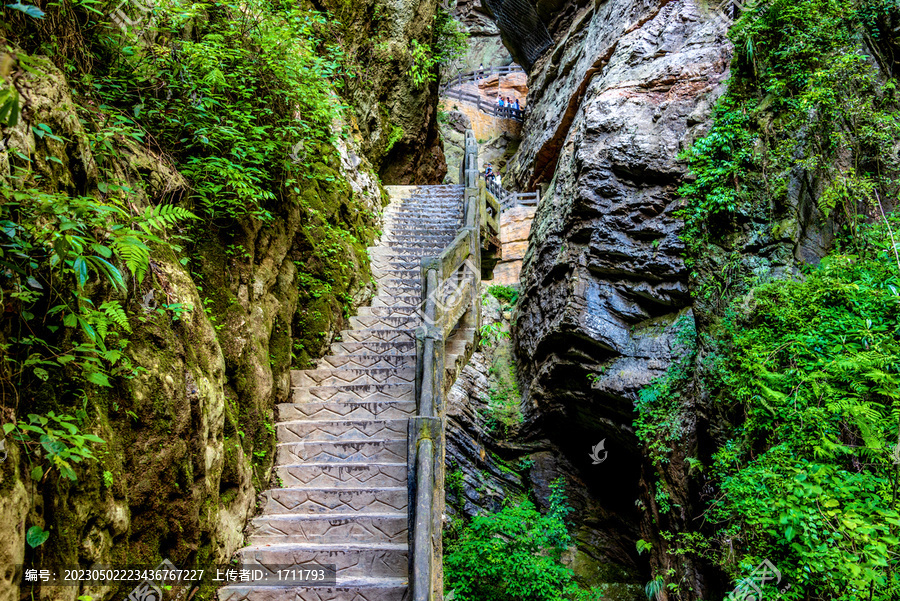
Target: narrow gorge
472,300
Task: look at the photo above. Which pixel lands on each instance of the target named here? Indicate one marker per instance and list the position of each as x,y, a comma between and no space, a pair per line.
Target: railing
485,106
479,74
451,285
507,199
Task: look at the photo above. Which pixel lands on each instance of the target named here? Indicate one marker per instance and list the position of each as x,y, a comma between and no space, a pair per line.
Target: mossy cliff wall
394,116
190,438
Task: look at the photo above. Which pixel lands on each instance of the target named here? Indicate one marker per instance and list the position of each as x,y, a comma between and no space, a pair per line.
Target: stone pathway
341,453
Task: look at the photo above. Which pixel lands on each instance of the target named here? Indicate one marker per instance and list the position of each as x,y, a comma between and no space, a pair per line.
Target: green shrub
810,474
513,555
505,294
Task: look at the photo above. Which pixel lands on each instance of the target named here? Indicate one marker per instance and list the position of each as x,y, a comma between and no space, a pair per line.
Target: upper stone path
340,460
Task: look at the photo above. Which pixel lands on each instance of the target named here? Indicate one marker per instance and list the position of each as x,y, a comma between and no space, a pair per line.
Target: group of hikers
508,103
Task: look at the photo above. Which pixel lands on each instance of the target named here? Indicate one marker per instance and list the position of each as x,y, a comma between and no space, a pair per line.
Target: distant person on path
488,173
516,105
500,101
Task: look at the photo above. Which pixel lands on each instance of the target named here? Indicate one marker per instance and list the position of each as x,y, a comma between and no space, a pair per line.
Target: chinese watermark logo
595,452
750,589
450,295
151,591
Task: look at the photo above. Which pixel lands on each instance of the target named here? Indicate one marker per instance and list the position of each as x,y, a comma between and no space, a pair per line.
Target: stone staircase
341,458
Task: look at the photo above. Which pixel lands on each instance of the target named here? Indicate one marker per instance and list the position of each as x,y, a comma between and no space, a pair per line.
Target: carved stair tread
347,527
307,430
343,476
374,500
387,409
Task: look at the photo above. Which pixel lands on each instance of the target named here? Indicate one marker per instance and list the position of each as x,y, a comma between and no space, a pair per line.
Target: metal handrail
479,74
451,283
485,106
509,199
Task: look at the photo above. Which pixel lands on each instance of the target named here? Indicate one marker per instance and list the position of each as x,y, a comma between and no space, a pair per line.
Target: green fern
136,255
114,310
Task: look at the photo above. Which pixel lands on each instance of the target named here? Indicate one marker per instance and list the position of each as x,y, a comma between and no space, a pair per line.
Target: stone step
343,476
423,244
413,271
429,214
419,236
362,361
407,275
378,335
341,451
398,288
352,560
341,430
394,223
407,252
319,528
375,347
404,299
392,322
347,589
354,393
346,375
392,311
387,409
393,280
394,232
383,500
391,262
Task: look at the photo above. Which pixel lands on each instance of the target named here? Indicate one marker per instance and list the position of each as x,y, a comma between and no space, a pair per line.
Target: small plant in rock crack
492,333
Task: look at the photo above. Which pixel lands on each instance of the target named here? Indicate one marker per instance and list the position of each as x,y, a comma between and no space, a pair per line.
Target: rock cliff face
190,438
627,86
485,47
393,116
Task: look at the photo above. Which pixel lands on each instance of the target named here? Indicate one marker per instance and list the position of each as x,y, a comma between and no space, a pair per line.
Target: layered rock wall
628,85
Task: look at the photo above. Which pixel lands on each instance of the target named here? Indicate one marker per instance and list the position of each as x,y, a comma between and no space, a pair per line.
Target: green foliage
504,413
659,407
512,555
508,295
396,136
36,536
450,37
54,439
643,546
798,69
449,42
809,476
654,589
805,371
241,121
56,250
492,333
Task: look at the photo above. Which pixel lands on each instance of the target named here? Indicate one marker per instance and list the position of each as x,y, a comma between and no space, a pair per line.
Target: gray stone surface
628,86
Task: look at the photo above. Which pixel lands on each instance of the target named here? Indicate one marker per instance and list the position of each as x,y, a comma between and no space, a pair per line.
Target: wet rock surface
627,87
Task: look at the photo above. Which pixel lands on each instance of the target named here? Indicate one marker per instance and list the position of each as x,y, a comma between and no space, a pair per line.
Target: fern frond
115,311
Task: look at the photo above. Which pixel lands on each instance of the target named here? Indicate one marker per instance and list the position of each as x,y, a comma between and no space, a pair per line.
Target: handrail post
423,551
